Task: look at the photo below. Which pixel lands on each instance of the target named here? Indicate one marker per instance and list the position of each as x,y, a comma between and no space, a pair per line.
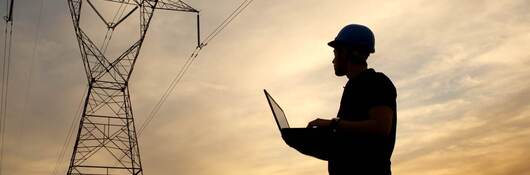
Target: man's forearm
360,128
379,123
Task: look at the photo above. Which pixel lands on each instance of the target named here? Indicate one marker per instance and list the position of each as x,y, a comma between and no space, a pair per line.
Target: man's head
352,46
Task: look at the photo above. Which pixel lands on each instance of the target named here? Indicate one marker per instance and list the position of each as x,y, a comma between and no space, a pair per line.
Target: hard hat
355,35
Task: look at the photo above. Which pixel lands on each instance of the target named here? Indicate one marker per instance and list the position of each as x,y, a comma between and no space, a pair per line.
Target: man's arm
379,123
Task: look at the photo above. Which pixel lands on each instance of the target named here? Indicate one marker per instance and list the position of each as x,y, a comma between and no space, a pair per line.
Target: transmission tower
106,140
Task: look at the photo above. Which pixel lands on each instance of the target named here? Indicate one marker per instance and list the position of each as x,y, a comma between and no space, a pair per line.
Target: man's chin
339,74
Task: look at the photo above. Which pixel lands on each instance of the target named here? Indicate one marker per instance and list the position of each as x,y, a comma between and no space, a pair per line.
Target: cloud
461,69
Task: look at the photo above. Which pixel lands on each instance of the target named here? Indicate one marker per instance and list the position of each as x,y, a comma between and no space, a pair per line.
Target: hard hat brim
336,44
332,44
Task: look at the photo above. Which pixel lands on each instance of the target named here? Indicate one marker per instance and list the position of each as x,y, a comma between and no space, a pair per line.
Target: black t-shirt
364,154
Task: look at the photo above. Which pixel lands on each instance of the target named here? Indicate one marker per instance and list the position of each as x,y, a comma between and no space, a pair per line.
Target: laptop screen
278,112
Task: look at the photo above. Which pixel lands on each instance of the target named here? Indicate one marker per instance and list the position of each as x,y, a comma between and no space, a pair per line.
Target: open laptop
309,141
277,111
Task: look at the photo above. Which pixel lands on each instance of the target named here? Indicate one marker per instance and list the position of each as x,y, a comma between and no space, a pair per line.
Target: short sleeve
382,92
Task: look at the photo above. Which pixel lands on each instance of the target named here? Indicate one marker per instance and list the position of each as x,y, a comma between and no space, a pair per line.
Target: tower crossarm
174,6
162,4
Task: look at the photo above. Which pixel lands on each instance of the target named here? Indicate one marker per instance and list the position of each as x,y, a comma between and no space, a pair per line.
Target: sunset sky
461,68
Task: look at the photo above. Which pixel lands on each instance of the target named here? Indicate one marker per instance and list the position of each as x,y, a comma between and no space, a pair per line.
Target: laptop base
309,141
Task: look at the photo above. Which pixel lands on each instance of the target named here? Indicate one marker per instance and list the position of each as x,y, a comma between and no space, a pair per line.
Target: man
364,132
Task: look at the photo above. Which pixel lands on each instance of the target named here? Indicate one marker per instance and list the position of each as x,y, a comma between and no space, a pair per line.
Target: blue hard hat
355,35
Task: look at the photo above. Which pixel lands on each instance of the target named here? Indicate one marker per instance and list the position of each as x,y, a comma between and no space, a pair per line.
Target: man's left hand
319,123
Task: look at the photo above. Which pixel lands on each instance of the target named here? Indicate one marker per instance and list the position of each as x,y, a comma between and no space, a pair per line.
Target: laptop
277,112
309,141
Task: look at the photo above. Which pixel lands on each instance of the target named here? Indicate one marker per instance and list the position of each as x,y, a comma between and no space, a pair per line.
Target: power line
227,21
8,39
5,90
29,79
9,11
70,133
190,61
170,89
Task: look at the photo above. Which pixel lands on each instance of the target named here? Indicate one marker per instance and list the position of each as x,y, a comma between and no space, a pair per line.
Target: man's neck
355,70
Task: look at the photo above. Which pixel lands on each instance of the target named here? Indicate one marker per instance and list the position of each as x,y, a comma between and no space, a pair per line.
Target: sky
461,69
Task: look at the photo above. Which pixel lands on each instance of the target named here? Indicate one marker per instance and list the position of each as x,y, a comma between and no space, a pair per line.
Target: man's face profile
340,62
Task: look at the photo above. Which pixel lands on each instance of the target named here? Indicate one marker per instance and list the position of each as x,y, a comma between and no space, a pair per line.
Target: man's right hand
319,123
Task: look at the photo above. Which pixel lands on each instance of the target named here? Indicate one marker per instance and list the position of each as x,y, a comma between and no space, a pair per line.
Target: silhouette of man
364,132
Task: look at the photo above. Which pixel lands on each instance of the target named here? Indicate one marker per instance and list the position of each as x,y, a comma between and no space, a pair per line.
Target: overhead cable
32,61
70,133
189,62
227,21
8,39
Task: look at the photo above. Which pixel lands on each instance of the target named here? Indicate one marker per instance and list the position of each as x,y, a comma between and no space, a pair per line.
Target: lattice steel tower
106,141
